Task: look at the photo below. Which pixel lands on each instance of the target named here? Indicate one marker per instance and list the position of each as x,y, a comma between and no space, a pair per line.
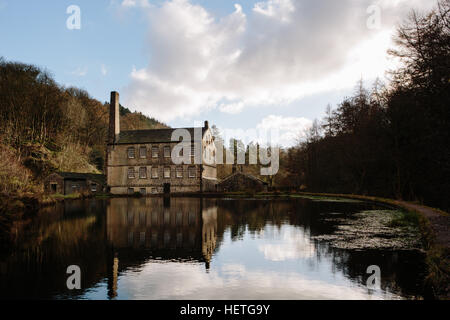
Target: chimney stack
114,118
206,124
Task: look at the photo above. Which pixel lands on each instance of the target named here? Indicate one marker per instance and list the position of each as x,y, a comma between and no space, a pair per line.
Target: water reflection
141,229
187,248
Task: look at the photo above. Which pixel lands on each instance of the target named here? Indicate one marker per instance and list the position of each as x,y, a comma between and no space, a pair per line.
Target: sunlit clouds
279,52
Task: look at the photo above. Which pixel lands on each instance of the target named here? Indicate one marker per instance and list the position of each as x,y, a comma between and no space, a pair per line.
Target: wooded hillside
47,127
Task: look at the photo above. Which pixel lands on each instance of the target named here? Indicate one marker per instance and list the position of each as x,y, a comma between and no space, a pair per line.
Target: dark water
189,248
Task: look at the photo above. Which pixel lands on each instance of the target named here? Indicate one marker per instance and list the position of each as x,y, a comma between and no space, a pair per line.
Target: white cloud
104,70
173,280
136,3
294,244
80,72
282,51
291,129
232,108
278,9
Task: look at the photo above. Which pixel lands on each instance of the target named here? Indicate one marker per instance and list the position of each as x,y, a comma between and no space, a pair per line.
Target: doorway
166,188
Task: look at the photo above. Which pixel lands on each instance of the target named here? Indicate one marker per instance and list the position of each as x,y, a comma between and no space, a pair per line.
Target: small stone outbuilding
69,182
240,181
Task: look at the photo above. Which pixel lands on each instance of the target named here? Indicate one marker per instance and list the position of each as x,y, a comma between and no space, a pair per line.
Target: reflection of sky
276,263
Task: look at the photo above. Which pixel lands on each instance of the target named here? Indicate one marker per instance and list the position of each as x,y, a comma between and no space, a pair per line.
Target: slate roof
100,178
151,136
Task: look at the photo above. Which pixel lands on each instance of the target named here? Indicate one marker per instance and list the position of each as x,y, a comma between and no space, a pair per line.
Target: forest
390,140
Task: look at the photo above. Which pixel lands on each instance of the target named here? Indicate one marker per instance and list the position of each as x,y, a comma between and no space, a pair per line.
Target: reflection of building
209,233
148,228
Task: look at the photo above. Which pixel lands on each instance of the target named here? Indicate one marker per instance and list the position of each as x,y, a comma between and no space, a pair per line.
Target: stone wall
119,164
241,182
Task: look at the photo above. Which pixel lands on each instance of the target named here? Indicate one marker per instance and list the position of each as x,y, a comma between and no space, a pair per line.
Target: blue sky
241,64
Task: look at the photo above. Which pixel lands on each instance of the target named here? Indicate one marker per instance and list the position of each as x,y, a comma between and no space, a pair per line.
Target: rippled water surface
189,248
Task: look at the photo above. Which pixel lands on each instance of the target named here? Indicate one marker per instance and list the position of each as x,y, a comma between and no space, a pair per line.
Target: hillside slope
47,127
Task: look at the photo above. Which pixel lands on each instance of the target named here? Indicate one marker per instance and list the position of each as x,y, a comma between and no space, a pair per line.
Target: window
143,173
130,190
131,153
131,173
143,152
167,152
192,172
154,190
143,191
179,172
167,172
155,152
155,173
93,187
142,238
192,150
130,237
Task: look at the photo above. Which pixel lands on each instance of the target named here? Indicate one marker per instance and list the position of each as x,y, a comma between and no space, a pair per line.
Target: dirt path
439,223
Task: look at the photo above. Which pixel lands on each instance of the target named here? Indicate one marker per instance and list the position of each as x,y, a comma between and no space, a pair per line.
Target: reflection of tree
63,235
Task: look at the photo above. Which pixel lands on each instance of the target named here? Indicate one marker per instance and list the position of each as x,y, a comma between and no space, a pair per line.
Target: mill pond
192,248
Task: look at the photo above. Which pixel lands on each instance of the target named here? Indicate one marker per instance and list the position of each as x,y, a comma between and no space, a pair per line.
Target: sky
243,64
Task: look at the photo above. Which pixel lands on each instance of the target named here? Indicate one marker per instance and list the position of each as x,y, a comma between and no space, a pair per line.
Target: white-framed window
166,152
155,152
192,172
155,172
143,173
143,152
166,172
180,172
131,174
131,153
154,190
94,187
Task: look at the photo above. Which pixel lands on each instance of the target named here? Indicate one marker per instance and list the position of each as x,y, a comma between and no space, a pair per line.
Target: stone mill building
141,160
